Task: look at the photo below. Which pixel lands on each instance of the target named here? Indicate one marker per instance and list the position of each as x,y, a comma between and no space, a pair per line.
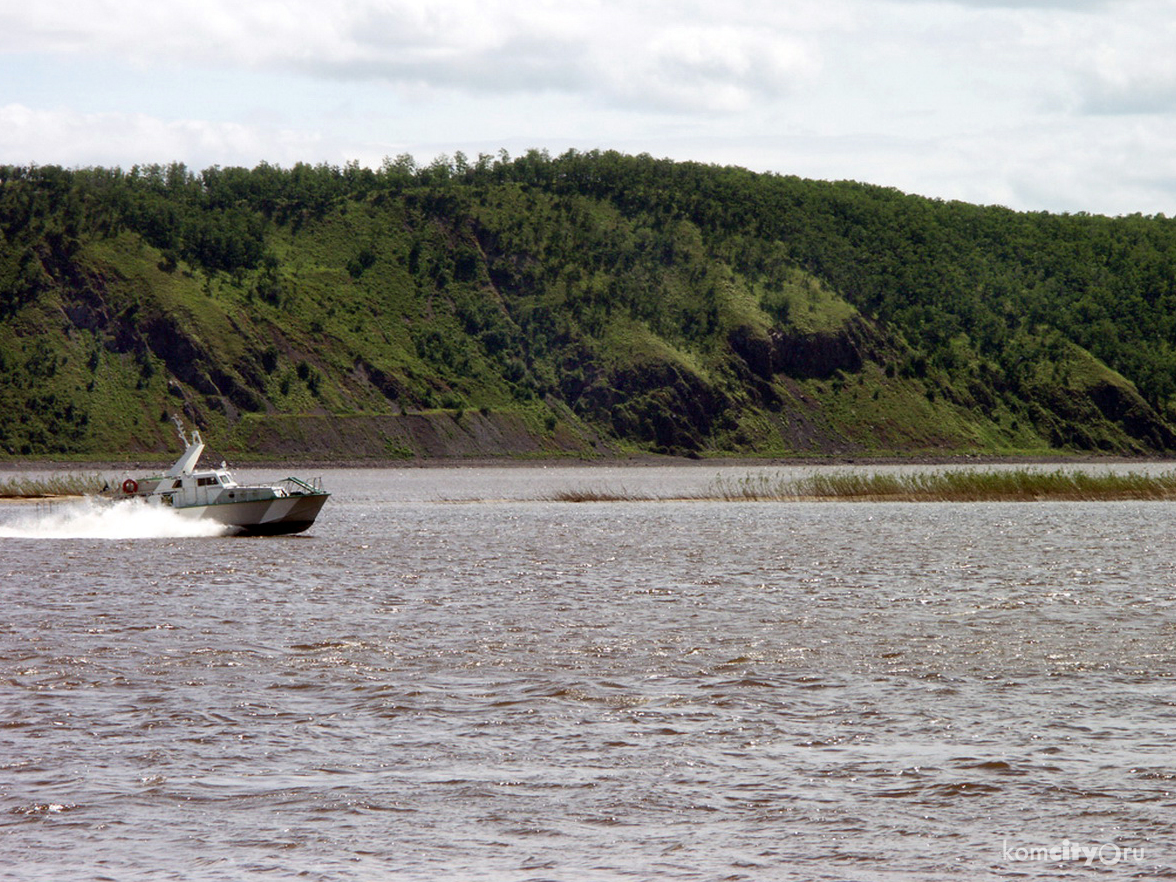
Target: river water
450,678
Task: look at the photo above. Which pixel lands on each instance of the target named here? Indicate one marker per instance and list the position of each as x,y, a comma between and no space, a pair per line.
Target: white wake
93,519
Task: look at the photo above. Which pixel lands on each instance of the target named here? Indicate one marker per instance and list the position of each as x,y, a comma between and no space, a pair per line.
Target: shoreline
632,461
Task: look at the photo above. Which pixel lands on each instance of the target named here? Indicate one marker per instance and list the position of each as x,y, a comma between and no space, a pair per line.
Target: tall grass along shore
21,487
968,485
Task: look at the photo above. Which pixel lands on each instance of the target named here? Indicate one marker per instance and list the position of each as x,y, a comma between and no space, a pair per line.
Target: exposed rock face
662,400
815,356
809,356
1106,416
1127,407
756,351
162,335
83,302
1076,415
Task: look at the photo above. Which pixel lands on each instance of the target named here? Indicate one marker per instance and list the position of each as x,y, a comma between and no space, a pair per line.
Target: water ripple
527,690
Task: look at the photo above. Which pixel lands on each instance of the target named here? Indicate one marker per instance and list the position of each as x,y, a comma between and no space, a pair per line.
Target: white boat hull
263,517
287,506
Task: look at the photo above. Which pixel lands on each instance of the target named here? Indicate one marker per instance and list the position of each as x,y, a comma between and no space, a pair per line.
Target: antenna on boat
180,430
192,450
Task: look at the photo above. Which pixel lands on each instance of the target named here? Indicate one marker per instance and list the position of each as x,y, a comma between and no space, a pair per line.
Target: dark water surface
527,690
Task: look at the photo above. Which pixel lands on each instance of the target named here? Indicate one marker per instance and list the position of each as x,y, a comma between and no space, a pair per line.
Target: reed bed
967,485
584,494
964,485
22,487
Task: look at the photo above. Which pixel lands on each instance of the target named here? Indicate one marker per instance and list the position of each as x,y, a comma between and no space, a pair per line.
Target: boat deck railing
299,487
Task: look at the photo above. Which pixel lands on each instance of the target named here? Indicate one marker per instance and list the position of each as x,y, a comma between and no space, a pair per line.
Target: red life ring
130,486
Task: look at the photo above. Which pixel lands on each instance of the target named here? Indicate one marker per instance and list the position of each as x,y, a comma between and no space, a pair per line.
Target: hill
588,304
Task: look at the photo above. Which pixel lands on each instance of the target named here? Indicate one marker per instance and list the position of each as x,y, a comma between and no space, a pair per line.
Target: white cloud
710,69
47,137
620,50
1037,103
1127,68
1062,5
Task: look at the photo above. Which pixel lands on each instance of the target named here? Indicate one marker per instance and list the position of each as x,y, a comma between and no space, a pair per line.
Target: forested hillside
588,304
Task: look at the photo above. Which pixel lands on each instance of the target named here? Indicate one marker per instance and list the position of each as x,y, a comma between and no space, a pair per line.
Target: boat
287,506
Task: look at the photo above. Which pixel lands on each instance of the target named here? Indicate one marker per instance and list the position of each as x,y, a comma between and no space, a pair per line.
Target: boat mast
186,463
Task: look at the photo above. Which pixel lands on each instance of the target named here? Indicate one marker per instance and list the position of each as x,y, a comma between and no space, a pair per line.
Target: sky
1054,105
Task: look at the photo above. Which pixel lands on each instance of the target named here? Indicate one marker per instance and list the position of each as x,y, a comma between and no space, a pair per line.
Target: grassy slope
508,320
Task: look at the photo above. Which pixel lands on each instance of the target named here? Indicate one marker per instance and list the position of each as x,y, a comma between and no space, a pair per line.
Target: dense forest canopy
502,282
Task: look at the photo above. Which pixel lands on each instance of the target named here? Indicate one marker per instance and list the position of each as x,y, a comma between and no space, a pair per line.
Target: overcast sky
1061,105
